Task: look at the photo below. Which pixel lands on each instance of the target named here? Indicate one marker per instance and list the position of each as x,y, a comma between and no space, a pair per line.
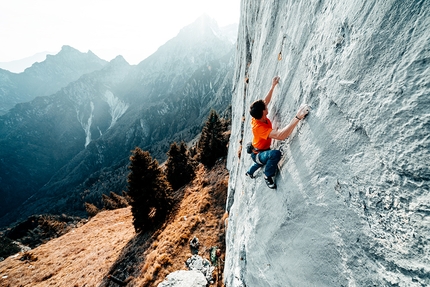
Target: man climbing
264,133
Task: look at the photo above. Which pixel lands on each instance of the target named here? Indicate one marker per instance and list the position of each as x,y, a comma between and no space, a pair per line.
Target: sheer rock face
351,208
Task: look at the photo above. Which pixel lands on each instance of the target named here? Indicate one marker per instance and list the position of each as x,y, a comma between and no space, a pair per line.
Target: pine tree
108,203
91,209
113,201
179,167
119,200
212,143
149,191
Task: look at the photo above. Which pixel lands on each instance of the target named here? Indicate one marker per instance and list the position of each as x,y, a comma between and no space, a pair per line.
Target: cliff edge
352,207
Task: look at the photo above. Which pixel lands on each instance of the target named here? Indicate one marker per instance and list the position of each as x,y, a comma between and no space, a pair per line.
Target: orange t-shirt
261,133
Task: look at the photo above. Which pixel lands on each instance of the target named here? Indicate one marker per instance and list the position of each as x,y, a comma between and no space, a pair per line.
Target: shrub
7,247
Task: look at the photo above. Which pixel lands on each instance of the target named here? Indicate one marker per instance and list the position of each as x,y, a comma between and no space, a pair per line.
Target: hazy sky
131,28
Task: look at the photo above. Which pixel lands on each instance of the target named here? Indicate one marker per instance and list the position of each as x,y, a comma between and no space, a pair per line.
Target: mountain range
18,66
47,77
70,146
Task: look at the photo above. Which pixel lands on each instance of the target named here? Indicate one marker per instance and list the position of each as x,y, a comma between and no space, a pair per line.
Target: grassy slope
107,244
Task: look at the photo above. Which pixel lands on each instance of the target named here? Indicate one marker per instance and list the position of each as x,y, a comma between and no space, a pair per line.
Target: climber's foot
270,183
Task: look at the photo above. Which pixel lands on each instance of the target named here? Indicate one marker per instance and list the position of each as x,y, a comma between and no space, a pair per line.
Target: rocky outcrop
198,263
352,203
199,274
184,278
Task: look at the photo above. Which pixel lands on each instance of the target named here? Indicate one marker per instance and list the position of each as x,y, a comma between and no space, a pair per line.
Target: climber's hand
275,81
303,111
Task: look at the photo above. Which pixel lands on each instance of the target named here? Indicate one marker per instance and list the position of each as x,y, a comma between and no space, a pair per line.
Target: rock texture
352,206
184,278
198,263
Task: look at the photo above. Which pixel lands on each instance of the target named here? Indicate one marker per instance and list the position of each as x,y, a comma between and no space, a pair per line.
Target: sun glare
131,28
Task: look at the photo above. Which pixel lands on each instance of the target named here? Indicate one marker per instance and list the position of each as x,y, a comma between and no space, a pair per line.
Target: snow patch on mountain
86,124
145,127
116,107
163,110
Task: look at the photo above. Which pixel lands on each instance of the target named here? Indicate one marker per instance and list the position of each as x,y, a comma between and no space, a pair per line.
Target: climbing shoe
250,175
270,183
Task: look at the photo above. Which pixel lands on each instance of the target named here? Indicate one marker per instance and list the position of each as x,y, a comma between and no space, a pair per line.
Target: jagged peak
118,63
69,54
119,60
203,34
67,48
91,53
205,19
201,26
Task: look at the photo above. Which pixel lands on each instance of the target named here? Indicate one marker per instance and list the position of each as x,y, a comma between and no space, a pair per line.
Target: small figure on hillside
264,133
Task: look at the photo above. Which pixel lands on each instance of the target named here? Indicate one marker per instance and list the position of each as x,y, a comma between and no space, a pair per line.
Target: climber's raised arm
268,97
286,131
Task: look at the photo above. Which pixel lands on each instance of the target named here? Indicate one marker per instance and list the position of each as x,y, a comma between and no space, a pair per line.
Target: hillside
82,256
107,244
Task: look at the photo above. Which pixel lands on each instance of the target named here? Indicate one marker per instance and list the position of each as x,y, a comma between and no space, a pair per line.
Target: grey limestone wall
352,206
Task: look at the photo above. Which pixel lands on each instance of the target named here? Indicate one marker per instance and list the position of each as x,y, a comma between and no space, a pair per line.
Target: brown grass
107,244
81,257
199,214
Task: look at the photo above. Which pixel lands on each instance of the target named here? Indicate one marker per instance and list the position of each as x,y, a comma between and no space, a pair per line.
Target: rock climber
264,133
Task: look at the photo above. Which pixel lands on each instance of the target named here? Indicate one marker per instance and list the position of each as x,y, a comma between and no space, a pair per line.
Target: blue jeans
270,158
